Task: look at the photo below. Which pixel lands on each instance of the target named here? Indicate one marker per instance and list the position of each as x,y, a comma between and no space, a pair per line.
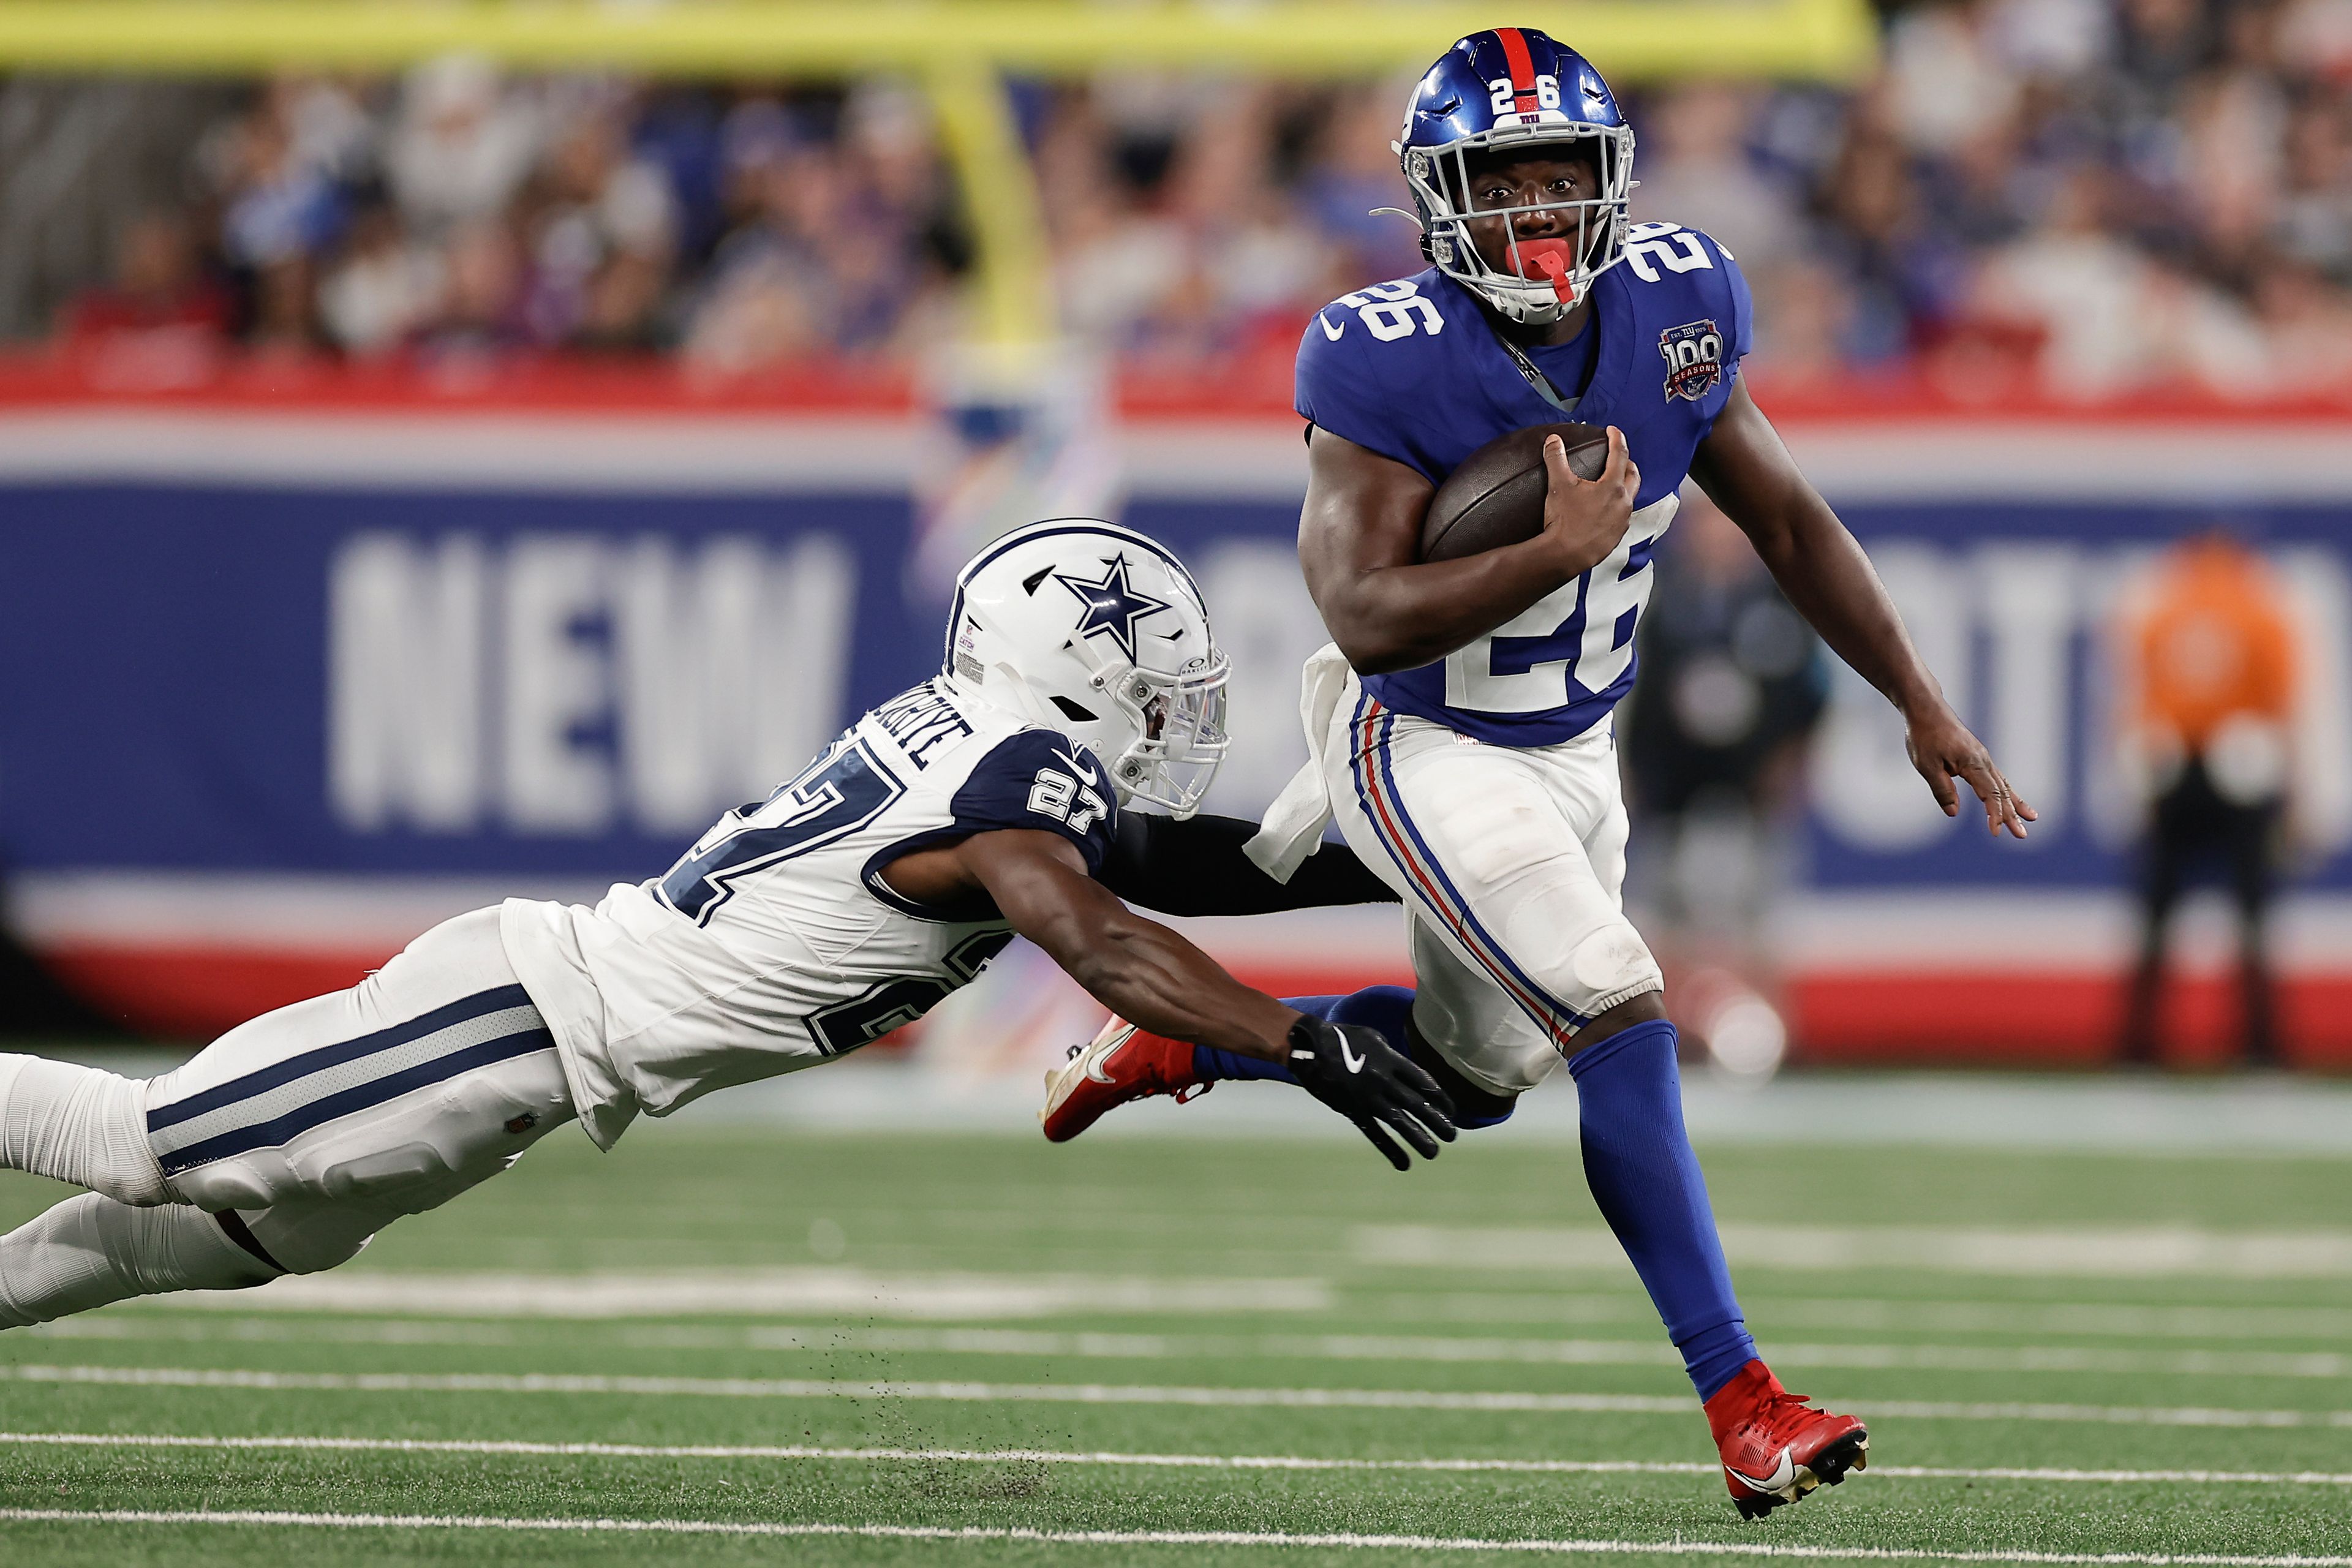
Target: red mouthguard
1549,259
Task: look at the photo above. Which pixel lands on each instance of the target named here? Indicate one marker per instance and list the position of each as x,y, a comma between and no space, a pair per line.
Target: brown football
1496,496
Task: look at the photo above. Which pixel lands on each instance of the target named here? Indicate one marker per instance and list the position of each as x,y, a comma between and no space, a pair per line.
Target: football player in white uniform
1080,674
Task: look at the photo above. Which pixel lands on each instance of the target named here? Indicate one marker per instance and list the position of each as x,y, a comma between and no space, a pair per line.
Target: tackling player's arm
1152,976
1136,967
1360,544
1745,470
1199,865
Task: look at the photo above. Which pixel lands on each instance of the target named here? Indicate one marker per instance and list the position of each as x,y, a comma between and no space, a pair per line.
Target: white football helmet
1097,631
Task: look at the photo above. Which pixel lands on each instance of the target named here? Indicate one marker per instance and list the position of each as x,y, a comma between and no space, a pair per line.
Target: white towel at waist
1294,824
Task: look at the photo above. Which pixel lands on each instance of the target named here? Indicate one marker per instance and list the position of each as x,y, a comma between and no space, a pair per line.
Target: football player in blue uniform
1458,727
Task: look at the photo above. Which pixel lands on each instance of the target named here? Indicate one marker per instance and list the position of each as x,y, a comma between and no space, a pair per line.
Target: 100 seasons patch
1694,355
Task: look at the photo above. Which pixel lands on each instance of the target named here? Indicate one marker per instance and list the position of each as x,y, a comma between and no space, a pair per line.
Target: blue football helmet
1514,92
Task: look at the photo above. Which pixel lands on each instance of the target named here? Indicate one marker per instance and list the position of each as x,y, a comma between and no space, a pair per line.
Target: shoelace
1783,1410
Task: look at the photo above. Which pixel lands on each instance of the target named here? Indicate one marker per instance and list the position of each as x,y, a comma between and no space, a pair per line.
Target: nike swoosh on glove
1356,1072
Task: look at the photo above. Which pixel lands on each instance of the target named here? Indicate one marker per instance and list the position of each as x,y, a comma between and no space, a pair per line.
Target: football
1496,496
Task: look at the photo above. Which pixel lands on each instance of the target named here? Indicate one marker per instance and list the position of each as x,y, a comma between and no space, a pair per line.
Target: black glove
1356,1072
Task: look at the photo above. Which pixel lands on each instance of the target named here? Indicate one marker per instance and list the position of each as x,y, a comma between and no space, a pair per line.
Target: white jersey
774,944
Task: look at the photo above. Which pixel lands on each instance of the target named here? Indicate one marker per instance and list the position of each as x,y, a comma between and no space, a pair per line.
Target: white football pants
1511,863
304,1132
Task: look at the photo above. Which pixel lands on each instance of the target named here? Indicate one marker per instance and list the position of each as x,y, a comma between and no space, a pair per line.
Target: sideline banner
286,687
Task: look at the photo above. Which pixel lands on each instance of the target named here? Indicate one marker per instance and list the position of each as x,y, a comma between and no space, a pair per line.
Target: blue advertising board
267,670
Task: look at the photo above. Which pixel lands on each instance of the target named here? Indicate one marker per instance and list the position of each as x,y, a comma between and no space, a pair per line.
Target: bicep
1744,468
1363,512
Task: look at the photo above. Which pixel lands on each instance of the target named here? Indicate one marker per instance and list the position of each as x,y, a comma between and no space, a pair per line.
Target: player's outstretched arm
1745,470
1150,976
1196,866
1360,545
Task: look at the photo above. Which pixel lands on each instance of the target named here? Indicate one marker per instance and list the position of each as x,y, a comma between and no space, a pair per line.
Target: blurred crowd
2089,196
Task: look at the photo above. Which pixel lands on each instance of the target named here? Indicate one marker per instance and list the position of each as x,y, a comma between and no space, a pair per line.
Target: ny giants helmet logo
1694,355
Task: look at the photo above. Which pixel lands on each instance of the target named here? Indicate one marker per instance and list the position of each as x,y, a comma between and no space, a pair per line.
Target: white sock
79,1124
89,1251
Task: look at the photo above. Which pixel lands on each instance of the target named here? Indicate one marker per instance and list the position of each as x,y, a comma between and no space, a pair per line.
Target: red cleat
1775,1447
1122,1063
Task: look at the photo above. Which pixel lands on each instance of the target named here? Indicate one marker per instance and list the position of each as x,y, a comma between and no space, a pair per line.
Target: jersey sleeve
1742,336
1335,387
1040,780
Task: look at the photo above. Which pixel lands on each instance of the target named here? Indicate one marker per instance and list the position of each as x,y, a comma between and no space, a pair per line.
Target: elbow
1371,648
1378,660
1387,656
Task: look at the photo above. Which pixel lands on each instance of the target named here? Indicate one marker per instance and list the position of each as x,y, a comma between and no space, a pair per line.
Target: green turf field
1160,1340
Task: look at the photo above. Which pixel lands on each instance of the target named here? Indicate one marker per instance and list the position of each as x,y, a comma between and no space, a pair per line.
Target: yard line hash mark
1106,1457
1572,1547
1105,1393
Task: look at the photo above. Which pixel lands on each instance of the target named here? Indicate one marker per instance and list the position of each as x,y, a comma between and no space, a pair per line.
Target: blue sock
1639,1164
1387,1009
1381,1007
1212,1064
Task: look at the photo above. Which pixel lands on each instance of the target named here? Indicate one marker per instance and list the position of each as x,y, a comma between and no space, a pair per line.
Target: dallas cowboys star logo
1111,605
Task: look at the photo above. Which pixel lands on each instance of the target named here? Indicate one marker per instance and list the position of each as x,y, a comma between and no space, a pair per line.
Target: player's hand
1584,518
1942,749
1356,1072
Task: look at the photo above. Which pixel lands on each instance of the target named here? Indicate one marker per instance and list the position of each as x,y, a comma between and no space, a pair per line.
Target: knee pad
255,1180
1612,965
268,1179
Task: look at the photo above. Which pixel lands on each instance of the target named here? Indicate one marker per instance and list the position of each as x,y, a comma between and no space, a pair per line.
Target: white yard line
1110,1393
2327,1326
758,1292
1126,1461
1389,1348
1579,1548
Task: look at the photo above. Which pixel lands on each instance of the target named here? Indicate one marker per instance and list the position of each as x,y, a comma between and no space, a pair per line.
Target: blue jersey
1412,371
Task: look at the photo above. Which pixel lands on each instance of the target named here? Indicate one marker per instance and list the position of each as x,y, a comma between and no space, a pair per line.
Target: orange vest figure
2213,644
2210,656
